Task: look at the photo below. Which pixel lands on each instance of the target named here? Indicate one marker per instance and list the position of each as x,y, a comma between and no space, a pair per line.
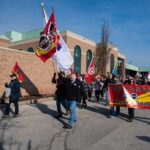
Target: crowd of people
73,91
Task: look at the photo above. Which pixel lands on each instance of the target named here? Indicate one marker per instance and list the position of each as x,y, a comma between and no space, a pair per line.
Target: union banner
48,40
132,96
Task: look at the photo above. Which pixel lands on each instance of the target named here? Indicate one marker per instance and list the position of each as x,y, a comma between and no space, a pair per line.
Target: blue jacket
15,90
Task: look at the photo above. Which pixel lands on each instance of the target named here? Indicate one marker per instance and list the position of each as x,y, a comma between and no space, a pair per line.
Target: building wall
4,43
71,43
37,74
24,45
72,40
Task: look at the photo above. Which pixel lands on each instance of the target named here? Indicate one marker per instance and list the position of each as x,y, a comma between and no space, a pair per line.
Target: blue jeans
72,109
106,97
60,100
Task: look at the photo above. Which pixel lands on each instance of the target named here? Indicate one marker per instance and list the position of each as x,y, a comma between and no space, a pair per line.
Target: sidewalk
37,129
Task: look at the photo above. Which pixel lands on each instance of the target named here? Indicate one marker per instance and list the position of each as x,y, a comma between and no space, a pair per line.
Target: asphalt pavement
36,128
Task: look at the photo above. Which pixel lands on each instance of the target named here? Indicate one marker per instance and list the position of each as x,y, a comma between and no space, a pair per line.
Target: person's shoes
117,114
67,126
130,120
15,115
109,116
59,116
67,113
105,104
5,116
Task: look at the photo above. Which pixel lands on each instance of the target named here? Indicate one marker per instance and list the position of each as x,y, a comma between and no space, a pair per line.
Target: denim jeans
106,96
111,110
72,109
60,100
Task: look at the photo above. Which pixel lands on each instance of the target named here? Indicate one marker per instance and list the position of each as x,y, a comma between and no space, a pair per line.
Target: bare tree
103,50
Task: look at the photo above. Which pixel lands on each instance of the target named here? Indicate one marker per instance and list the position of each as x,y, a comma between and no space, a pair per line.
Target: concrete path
37,129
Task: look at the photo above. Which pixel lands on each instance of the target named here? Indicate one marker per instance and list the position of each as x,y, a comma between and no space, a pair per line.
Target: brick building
15,46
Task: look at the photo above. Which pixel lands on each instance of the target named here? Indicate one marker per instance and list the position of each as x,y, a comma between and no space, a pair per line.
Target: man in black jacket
73,89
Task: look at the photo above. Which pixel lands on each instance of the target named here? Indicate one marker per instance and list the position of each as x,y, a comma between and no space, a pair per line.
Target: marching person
114,80
85,85
72,89
15,94
60,93
90,89
130,81
97,87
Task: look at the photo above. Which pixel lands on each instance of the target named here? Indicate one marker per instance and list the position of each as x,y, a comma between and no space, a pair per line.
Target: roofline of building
120,55
24,41
67,33
77,36
138,69
15,50
3,37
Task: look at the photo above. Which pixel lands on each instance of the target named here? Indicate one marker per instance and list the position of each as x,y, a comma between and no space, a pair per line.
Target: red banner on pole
16,70
88,76
132,96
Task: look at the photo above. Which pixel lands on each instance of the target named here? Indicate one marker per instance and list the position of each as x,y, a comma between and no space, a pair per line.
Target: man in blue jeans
73,89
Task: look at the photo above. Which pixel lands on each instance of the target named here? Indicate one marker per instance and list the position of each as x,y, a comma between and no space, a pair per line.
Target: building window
30,49
77,59
88,58
112,63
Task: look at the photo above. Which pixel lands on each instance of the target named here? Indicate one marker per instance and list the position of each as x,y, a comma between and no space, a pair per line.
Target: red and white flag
48,40
89,73
62,55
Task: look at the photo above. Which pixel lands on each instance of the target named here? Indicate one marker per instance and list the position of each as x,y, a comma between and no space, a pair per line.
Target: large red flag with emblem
16,70
89,73
48,40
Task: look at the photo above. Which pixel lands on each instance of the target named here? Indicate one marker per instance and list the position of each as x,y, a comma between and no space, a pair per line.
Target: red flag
16,71
88,76
48,40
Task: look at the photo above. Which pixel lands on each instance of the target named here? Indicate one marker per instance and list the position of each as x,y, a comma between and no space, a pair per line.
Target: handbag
7,92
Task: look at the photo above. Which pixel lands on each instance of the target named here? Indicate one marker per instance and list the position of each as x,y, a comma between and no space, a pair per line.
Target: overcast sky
129,21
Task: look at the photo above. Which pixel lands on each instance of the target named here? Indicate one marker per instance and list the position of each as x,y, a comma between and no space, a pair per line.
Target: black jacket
73,91
15,90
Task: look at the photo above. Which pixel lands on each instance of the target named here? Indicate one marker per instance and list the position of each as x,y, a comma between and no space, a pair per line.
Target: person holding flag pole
63,60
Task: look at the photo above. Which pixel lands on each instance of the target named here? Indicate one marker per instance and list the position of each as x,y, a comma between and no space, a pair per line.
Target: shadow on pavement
141,119
46,110
105,112
144,138
100,110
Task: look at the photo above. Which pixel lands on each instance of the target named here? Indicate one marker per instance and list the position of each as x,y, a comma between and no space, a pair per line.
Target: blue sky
129,21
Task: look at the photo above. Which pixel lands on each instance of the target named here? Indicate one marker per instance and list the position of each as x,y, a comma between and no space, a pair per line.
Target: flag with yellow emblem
48,40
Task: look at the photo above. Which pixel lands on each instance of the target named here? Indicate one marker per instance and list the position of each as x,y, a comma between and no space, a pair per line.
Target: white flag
63,57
